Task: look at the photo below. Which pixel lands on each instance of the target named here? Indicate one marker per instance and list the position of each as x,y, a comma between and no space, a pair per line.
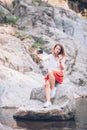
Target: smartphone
39,51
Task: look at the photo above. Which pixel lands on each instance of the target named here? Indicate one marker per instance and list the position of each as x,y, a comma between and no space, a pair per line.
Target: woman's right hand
37,55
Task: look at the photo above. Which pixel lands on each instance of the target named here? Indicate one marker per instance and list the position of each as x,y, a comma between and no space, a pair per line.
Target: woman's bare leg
52,84
51,80
47,90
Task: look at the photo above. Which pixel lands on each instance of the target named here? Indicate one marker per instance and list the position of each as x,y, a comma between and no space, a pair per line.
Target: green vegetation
12,20
28,37
38,1
35,45
40,40
6,19
14,3
21,36
18,33
1,13
38,43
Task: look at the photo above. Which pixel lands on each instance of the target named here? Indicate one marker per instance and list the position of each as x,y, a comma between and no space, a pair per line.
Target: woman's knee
51,75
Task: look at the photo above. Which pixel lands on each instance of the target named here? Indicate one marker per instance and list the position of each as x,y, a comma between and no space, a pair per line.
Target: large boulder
15,87
59,25
63,105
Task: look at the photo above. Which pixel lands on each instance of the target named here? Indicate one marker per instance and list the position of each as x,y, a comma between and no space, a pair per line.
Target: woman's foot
47,104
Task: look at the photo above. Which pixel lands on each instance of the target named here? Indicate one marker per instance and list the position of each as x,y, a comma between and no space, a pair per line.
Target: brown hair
62,52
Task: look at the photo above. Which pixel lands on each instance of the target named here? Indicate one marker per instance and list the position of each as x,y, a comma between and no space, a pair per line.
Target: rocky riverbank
21,77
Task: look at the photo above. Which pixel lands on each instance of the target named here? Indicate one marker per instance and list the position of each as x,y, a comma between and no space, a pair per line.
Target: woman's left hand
60,58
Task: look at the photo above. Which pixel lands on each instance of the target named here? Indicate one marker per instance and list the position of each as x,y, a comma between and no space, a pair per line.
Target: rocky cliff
28,25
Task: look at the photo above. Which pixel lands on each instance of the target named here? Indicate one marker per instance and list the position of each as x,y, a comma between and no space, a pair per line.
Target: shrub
12,20
28,37
38,43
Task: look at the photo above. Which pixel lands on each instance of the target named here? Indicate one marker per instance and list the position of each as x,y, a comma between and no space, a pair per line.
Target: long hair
62,52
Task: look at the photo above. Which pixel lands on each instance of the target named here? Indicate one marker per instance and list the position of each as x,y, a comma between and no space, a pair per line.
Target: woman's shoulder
49,55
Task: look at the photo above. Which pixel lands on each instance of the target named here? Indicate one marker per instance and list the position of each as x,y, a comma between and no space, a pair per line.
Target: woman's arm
37,56
61,62
61,66
42,58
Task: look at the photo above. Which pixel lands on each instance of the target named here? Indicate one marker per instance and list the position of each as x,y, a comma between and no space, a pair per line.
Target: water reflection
58,125
81,114
80,123
6,117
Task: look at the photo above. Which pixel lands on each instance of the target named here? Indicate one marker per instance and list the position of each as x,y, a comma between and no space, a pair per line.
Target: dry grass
7,29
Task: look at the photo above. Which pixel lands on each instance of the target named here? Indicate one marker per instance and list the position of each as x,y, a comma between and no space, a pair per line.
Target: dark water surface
80,123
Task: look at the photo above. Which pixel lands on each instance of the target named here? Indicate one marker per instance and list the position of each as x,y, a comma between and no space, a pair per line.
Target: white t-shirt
53,64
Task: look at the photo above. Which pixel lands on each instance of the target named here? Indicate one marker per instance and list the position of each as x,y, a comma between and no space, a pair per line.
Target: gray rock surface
15,87
62,108
19,74
4,127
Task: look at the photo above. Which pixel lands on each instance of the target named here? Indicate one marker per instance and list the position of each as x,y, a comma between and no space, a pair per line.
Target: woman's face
57,50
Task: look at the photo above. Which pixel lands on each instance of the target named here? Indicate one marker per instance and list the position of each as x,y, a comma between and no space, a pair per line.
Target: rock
7,2
5,12
35,111
14,53
4,127
63,106
15,87
57,24
19,74
63,22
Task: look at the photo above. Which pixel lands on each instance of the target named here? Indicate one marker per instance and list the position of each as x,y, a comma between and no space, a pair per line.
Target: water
81,115
80,122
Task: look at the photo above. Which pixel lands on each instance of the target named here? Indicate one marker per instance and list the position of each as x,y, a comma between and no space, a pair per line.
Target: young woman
55,71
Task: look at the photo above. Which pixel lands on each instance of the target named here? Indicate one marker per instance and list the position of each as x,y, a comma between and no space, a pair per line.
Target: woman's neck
56,56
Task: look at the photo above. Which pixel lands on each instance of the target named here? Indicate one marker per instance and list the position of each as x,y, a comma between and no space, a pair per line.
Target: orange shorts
58,76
